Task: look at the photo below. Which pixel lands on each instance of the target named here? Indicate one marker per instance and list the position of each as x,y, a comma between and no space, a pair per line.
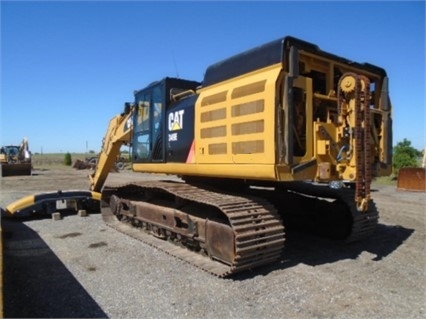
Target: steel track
258,229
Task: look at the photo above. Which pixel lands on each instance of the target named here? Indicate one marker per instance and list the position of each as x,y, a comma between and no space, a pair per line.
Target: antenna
174,63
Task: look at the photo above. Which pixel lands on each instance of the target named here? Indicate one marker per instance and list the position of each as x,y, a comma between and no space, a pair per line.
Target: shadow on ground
36,284
303,248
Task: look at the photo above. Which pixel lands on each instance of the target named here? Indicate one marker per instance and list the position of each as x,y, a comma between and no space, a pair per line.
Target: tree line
405,155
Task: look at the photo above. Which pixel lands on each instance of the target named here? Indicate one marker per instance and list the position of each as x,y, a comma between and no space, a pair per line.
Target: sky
68,67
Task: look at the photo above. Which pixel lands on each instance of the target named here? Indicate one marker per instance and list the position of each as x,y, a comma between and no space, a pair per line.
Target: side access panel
235,120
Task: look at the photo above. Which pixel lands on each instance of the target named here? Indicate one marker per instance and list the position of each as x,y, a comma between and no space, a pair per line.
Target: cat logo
176,120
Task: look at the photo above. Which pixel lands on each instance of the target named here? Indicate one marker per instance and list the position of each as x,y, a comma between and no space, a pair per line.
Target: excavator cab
156,122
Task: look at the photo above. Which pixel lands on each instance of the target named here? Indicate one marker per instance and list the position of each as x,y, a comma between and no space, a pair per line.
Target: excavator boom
119,133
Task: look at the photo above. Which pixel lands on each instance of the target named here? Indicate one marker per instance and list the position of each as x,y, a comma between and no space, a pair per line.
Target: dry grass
56,160
385,180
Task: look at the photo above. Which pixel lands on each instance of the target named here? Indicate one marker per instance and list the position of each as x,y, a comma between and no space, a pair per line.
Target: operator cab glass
147,122
149,119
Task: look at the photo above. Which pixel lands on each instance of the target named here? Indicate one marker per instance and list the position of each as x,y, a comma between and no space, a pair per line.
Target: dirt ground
381,277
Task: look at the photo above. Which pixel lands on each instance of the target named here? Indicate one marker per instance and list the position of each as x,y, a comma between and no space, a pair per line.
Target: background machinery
413,178
283,135
15,160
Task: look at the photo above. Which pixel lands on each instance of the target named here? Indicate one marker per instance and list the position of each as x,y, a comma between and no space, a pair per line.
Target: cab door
142,140
148,140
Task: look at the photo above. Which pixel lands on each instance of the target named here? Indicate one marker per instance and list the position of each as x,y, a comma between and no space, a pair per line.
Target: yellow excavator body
282,135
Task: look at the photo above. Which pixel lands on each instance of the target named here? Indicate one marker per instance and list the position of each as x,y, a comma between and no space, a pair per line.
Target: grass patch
385,180
55,160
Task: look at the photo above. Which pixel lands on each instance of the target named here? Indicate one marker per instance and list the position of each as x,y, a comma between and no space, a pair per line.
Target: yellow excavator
282,135
15,159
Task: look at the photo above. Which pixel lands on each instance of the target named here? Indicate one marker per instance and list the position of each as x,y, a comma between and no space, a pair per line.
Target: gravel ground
79,267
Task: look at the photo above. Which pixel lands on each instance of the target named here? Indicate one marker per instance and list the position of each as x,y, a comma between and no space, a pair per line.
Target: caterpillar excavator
282,135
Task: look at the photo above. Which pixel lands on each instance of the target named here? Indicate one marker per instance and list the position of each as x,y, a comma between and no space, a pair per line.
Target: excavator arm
119,133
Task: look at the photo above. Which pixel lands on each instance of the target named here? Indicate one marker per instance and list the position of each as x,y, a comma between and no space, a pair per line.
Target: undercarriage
225,233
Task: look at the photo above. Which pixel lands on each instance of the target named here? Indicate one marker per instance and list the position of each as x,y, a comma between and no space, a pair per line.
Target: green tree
67,159
404,155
